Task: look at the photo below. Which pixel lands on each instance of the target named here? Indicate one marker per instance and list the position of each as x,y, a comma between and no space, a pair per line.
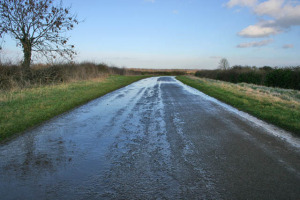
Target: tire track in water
184,153
143,152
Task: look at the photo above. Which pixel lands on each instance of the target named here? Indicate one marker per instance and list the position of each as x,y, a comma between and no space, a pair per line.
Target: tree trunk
27,49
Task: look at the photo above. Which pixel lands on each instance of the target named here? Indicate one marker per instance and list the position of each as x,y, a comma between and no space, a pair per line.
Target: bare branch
224,64
38,25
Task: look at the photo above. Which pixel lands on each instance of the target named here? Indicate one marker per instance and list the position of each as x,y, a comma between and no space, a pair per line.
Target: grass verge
280,107
25,108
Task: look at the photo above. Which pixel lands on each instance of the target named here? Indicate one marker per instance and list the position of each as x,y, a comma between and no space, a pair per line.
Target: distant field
159,71
25,108
280,107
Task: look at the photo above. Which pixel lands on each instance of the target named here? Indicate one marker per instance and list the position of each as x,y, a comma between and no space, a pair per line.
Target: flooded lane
154,139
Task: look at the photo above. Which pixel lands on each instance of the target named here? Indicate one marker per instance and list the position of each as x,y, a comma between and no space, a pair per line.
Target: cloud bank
248,3
255,44
276,16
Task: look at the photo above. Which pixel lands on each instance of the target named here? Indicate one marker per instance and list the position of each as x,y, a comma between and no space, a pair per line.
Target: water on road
154,139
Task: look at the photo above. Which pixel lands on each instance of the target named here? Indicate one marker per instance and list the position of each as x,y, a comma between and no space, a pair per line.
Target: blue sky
184,33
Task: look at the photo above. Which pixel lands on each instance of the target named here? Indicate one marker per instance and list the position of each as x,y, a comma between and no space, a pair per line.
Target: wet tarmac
154,139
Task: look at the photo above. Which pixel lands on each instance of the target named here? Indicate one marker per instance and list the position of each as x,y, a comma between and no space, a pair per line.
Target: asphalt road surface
154,139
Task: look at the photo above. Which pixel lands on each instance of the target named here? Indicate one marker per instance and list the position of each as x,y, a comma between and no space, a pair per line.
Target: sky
193,34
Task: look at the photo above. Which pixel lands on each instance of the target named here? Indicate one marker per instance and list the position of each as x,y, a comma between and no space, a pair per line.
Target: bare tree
224,64
37,26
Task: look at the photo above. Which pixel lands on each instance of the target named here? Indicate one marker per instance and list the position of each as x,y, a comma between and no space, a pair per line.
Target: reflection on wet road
154,139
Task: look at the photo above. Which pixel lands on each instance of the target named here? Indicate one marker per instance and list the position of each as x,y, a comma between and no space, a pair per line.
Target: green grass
22,109
277,106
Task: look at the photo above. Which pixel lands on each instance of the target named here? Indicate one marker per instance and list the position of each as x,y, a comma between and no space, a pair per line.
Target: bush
279,77
12,77
284,78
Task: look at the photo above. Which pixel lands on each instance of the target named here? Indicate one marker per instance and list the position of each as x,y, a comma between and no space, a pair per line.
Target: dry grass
164,71
286,96
11,77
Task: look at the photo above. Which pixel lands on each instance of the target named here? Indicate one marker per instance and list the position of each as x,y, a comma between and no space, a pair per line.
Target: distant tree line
288,77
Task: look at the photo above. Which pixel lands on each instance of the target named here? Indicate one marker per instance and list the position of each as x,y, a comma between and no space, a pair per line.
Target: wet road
154,139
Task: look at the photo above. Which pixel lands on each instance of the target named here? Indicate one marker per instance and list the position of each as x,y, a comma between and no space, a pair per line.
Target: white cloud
254,44
285,14
270,7
262,29
288,46
152,1
289,16
247,3
277,15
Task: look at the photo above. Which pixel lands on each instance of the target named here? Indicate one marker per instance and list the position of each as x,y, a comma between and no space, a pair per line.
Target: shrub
284,78
279,77
12,77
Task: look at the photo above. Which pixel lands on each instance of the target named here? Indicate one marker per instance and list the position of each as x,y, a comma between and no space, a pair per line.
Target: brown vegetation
165,72
11,76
